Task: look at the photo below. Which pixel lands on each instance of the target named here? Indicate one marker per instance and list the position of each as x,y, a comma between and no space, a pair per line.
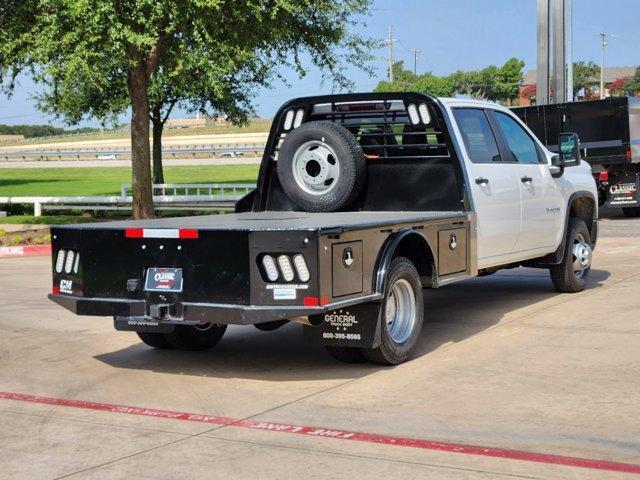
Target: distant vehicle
362,201
609,132
232,154
108,156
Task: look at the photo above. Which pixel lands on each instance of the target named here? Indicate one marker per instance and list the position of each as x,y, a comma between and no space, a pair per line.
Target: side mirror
569,149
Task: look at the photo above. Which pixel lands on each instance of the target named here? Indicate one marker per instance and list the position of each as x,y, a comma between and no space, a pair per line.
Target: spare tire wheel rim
581,253
316,168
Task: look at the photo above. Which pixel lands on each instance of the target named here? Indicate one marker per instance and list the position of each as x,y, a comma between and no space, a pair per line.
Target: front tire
197,337
570,276
402,315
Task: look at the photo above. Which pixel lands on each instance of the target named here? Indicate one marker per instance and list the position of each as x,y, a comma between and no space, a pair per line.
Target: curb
25,251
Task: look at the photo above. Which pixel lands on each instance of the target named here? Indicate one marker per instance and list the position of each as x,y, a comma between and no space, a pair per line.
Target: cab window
477,135
522,147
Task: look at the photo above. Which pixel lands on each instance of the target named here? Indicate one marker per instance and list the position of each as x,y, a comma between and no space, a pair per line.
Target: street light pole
603,44
415,60
390,54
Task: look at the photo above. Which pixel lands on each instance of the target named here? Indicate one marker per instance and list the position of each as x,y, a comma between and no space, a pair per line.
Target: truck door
495,187
542,202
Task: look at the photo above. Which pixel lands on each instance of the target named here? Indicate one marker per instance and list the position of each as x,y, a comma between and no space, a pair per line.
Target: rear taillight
603,176
301,268
67,261
628,154
60,260
270,269
284,267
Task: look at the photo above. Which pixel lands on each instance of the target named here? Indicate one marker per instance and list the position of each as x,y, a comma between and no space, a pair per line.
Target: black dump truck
609,132
362,200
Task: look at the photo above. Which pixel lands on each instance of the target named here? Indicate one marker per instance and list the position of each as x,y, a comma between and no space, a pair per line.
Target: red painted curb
25,251
551,459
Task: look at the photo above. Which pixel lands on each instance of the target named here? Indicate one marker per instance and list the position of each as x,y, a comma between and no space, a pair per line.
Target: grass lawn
64,182
47,219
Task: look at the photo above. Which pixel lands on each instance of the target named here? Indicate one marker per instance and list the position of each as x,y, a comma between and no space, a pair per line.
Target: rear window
477,135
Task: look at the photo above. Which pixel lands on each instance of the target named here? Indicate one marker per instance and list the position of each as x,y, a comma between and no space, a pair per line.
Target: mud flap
355,326
142,324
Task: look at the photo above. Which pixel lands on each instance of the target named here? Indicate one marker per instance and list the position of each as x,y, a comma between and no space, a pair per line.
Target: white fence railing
219,197
102,153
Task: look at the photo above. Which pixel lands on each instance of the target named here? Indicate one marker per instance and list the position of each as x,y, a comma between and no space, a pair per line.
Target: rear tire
402,315
631,212
346,354
566,276
198,337
155,340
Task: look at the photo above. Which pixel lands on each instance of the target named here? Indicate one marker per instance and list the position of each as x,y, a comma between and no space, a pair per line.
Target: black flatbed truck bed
239,294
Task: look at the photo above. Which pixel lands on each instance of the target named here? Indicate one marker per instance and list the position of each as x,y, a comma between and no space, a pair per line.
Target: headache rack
404,137
380,122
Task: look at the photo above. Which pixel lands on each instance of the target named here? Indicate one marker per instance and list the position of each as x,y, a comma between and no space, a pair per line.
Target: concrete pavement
503,362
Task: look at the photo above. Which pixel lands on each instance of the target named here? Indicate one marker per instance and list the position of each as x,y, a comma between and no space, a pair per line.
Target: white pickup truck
362,201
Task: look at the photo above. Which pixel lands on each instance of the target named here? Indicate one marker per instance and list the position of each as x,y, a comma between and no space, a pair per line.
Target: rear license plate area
163,280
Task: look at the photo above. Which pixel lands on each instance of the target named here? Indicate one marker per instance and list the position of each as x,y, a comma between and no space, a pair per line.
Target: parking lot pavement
503,362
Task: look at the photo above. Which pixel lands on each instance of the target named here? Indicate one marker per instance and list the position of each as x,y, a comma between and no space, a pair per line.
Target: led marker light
288,120
299,117
424,113
60,261
285,267
301,267
68,265
413,114
270,269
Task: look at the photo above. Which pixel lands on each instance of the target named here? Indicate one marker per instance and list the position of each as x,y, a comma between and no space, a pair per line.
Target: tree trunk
140,148
158,125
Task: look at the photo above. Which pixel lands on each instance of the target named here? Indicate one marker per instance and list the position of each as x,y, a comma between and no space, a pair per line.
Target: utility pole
603,44
415,60
390,54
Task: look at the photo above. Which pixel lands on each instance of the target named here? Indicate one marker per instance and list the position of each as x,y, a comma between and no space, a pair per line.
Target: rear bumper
194,313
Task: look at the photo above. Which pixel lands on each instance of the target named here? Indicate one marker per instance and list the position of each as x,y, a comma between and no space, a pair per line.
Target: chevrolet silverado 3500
362,201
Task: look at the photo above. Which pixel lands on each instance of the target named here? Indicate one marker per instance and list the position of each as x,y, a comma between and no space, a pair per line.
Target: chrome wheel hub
581,253
315,167
400,311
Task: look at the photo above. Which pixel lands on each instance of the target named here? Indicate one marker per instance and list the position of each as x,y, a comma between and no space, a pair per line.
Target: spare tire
321,166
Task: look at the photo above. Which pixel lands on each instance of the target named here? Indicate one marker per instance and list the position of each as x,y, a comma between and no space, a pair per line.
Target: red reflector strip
628,154
55,289
315,301
187,233
310,301
134,233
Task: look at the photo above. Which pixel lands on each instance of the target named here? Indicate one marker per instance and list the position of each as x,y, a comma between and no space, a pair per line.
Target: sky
451,34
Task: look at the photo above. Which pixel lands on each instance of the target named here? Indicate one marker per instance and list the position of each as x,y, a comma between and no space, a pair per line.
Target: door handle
526,179
482,181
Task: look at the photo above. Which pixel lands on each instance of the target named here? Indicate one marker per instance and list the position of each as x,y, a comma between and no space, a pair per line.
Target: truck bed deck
275,221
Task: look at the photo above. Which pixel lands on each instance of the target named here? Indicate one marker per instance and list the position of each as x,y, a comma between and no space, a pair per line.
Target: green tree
509,79
585,75
88,52
632,85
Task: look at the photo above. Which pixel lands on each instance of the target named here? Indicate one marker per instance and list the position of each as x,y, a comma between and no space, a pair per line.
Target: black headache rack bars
390,127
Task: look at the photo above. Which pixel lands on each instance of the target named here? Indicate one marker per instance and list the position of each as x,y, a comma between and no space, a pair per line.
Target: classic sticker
163,280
